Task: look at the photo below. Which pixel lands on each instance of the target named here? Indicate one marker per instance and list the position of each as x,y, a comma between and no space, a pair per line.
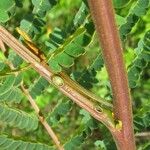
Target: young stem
68,88
42,119
103,15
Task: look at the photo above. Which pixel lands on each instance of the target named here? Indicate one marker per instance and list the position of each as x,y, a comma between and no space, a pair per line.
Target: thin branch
2,46
69,88
103,15
42,119
33,104
143,134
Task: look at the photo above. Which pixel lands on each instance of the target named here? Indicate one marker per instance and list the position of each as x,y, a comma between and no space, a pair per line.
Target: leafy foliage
138,10
120,4
42,6
87,77
69,46
141,61
8,143
17,118
9,92
38,87
60,110
67,52
6,10
86,127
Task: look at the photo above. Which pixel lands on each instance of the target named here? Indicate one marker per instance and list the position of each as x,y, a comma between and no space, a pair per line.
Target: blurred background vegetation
74,119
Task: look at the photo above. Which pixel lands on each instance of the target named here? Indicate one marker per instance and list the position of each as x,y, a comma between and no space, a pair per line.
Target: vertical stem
103,15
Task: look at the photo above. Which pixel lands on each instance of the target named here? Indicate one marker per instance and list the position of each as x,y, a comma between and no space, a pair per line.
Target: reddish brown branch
103,15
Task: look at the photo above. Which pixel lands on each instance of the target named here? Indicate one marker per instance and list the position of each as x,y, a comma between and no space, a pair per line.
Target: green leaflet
9,143
140,62
17,118
6,9
73,142
32,24
139,9
72,47
120,20
42,6
2,65
120,3
7,85
80,16
18,80
68,44
98,63
87,125
13,95
87,77
3,16
38,87
8,89
61,109
15,59
142,116
100,144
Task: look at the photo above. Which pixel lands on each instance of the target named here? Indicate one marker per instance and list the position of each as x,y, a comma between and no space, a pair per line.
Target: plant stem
42,119
80,98
103,15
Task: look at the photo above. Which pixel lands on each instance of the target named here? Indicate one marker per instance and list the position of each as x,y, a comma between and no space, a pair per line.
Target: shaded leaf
17,118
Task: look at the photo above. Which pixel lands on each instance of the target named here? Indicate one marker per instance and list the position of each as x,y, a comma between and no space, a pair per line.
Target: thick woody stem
103,15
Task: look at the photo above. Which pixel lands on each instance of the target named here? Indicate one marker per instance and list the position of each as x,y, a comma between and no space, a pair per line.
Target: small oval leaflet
57,80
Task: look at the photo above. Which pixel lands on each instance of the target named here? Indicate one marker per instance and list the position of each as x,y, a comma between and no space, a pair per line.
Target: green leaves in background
87,77
87,125
32,24
141,61
17,118
8,143
15,59
9,92
62,48
72,47
6,10
60,110
42,6
136,11
38,87
68,44
120,3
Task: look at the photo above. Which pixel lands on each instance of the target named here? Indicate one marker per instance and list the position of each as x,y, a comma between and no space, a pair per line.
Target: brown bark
103,15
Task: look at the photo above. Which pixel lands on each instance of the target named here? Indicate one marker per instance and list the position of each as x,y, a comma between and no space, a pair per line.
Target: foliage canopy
65,33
